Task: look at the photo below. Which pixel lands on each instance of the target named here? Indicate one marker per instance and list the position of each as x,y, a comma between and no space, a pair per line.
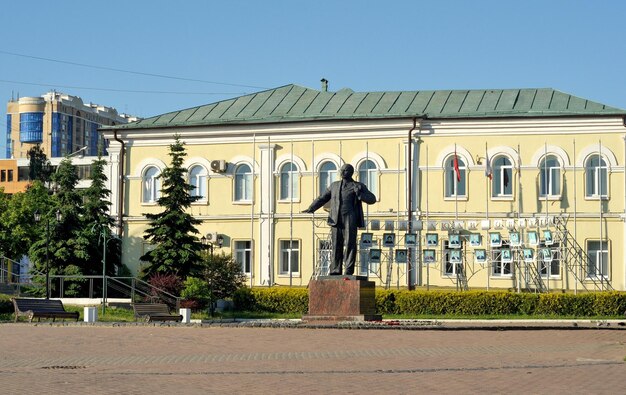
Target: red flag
456,167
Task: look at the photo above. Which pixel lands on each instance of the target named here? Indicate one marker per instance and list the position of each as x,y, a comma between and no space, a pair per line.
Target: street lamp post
207,244
37,219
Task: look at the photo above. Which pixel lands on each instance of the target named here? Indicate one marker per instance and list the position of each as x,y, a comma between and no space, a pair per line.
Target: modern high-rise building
61,124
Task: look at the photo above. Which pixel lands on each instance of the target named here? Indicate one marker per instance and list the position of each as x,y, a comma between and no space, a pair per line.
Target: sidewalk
260,357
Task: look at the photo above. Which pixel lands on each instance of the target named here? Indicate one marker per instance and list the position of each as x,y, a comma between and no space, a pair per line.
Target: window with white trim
501,267
502,177
455,186
368,175
243,255
550,177
552,264
198,178
598,263
151,185
243,183
289,181
596,177
325,251
328,174
289,257
452,267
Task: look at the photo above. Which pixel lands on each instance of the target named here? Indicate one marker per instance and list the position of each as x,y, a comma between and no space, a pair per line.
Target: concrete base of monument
342,298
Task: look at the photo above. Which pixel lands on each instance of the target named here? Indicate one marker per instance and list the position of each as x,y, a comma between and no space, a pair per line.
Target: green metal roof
293,103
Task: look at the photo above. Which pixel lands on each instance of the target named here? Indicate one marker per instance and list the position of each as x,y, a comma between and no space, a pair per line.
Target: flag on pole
456,166
488,169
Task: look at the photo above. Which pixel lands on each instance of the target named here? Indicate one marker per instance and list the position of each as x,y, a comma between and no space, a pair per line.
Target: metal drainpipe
120,194
624,229
410,284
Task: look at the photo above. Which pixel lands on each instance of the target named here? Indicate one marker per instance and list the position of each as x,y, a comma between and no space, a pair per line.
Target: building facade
61,124
504,189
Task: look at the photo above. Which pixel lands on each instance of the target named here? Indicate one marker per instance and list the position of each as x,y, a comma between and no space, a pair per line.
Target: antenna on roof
324,84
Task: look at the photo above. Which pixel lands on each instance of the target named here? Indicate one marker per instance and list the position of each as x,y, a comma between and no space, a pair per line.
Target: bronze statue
346,215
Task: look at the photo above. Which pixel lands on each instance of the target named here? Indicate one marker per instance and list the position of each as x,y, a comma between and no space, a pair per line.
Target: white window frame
243,255
446,261
369,175
450,184
498,187
325,254
553,193
200,181
555,262
596,177
150,187
287,250
601,270
327,176
289,182
242,184
499,268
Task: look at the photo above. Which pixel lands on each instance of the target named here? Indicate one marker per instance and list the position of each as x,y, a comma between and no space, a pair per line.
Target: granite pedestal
342,298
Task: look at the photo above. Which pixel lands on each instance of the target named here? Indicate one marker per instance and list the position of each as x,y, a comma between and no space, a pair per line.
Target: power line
123,90
129,71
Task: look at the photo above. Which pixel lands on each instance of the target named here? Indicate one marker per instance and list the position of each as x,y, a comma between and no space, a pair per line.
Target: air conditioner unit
218,165
211,237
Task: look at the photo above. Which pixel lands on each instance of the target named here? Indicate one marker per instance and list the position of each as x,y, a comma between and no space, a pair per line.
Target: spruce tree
173,232
97,222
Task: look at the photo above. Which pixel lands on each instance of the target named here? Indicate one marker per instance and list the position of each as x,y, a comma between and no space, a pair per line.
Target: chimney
324,85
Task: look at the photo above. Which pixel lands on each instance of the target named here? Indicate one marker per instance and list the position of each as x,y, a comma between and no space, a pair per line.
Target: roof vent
324,84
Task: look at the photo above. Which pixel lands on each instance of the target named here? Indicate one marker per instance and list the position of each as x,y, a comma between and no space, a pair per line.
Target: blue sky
220,49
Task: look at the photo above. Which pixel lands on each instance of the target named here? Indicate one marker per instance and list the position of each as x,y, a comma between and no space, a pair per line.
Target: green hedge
273,300
500,303
442,303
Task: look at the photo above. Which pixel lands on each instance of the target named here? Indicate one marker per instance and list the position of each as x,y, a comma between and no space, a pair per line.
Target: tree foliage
97,223
17,230
39,165
172,232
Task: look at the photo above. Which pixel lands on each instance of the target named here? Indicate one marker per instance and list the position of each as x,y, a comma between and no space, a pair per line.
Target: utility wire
124,90
129,71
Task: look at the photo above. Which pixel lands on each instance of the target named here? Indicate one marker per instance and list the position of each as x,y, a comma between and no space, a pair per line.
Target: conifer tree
172,232
97,222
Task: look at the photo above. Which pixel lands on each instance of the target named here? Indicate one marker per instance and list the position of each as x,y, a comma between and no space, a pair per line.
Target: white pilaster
267,204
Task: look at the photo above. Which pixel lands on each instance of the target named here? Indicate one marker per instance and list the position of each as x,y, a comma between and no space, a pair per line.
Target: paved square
137,359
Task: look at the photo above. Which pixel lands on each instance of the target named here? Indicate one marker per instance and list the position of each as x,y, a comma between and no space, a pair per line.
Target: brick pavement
136,359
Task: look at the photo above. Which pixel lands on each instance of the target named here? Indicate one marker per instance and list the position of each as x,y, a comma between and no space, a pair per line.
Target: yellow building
512,189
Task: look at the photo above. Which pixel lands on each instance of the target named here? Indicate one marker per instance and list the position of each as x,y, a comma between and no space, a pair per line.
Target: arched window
328,174
289,181
455,182
151,185
368,175
243,183
550,177
502,177
596,177
198,178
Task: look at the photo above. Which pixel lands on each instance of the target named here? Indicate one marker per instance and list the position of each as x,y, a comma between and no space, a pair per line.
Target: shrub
6,306
243,299
197,293
169,283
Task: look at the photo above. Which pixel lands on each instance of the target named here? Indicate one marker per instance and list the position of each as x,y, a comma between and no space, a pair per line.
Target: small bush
243,299
6,306
169,283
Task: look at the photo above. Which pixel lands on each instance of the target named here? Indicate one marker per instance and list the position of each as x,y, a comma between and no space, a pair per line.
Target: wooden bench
41,308
151,312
